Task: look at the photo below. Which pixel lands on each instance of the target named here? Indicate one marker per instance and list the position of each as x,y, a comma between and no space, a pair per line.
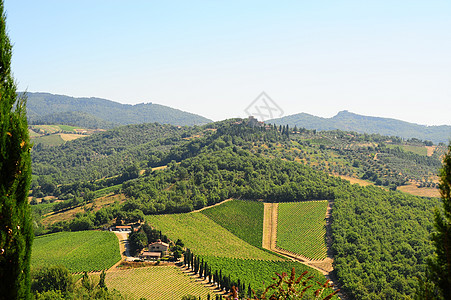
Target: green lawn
77,251
301,228
242,218
205,237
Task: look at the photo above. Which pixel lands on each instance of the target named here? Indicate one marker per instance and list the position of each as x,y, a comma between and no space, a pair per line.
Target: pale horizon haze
213,58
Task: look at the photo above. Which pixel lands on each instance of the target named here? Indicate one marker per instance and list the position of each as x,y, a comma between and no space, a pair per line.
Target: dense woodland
45,107
379,159
380,237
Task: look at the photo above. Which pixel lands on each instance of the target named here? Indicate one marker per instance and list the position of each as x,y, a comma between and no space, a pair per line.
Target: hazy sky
380,58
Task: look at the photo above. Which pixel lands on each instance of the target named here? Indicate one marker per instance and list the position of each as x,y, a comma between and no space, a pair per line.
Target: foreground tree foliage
55,282
288,288
16,232
440,263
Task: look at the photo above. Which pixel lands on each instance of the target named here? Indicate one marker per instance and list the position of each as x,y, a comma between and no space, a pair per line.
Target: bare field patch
353,180
159,168
70,136
416,191
430,150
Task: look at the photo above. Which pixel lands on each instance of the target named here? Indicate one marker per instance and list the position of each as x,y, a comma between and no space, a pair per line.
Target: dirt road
123,248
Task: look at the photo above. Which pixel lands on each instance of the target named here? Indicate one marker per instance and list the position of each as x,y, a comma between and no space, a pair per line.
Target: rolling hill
45,108
348,121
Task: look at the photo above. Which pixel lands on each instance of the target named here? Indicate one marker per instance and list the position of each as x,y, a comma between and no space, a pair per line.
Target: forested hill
348,121
45,108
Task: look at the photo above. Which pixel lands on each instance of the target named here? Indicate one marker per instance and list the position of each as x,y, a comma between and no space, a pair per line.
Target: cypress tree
201,269
216,278
16,232
196,265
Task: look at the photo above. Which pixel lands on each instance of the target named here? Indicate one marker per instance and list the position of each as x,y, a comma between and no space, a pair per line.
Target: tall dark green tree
440,264
16,233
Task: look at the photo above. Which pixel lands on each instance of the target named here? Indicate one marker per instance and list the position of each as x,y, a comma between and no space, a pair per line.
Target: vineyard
242,218
77,251
205,237
301,228
162,282
260,274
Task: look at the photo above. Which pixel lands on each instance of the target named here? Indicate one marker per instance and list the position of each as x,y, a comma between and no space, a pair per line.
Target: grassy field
32,133
242,218
54,135
68,128
301,228
420,150
49,129
77,251
159,283
259,273
205,237
48,140
43,208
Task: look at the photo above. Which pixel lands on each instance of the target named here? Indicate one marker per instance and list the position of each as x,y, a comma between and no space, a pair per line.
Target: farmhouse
121,228
148,255
159,246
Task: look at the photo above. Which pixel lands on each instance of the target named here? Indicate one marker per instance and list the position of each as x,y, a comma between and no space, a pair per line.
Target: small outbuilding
121,228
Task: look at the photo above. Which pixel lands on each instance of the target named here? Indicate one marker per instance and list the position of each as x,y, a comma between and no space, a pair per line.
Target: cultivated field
77,251
48,140
259,274
205,237
242,218
157,283
301,228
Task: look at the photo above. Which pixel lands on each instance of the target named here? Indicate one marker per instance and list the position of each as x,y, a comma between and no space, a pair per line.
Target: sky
214,58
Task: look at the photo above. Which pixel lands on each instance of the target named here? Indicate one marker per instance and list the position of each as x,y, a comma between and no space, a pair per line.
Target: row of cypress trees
200,267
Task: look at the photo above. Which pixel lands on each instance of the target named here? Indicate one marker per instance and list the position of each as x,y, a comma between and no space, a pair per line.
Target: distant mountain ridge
101,113
349,121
